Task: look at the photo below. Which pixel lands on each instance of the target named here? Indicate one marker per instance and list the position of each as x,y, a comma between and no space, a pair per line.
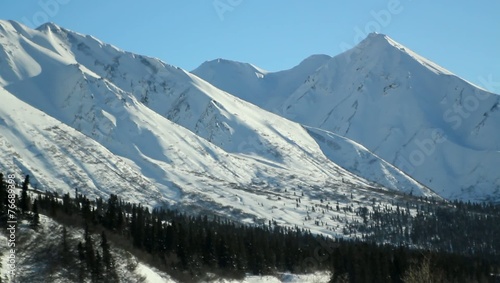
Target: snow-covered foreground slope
319,277
80,114
438,128
39,257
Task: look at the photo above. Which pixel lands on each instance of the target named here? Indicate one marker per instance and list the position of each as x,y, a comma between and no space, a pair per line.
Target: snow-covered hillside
79,113
435,126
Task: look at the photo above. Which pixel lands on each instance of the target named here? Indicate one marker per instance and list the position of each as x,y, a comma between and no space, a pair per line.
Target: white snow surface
318,277
405,109
150,275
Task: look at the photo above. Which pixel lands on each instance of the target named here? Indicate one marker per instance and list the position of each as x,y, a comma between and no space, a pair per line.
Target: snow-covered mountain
435,126
79,113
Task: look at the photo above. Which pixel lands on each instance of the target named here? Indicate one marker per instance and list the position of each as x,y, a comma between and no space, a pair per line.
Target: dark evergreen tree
35,221
3,196
89,250
111,215
24,202
86,210
81,257
107,260
96,272
65,245
67,205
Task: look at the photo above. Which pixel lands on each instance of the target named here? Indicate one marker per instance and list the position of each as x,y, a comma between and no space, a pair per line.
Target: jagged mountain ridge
167,135
435,126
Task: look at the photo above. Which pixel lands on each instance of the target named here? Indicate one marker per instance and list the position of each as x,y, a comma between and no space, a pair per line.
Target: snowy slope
78,113
438,128
358,160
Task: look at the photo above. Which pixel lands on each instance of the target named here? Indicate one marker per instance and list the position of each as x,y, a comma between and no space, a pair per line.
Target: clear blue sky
463,36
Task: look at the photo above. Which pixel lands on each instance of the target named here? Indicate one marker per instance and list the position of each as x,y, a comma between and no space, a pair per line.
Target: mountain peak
229,67
384,50
223,61
378,40
236,64
377,35
48,26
